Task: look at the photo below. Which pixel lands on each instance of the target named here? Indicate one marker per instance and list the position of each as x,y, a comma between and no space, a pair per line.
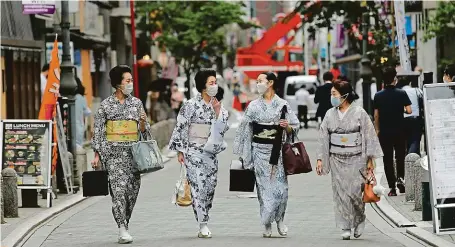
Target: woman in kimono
347,145
253,143
118,122
198,138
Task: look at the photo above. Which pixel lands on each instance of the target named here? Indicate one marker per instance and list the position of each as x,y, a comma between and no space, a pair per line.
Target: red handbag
295,158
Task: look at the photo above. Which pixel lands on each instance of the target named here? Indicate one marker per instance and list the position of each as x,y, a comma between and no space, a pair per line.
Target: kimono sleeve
179,137
324,145
215,143
243,138
370,141
99,141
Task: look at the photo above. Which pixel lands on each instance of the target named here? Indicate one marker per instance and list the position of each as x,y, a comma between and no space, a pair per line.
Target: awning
16,28
349,59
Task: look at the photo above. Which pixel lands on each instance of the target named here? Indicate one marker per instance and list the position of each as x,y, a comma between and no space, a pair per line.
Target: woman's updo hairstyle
201,78
344,87
272,77
116,74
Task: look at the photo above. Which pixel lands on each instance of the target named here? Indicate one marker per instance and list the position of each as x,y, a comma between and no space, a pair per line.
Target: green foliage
443,22
191,29
323,14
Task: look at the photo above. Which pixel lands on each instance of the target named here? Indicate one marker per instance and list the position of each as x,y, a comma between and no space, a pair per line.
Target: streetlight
68,84
365,70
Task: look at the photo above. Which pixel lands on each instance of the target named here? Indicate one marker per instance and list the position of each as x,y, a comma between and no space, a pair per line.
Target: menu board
26,148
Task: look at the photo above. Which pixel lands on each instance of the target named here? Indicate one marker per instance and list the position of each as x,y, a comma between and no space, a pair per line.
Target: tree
322,14
443,22
191,30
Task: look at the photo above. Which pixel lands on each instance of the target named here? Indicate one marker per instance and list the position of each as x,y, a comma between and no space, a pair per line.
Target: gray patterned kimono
345,166
116,157
272,191
200,156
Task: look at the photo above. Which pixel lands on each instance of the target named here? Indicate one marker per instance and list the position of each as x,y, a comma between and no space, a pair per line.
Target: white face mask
128,88
212,90
262,87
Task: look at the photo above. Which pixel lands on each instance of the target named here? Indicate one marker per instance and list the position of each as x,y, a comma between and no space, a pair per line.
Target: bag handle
275,154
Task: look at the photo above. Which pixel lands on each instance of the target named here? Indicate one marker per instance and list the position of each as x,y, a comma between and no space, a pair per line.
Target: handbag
95,183
295,156
146,155
182,192
241,179
370,181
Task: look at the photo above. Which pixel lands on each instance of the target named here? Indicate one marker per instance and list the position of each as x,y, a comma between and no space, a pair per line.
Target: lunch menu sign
26,148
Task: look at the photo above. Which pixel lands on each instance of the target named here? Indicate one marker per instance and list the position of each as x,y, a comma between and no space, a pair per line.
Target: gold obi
121,131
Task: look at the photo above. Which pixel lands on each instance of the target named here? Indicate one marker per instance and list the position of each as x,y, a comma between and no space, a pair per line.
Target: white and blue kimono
253,143
199,135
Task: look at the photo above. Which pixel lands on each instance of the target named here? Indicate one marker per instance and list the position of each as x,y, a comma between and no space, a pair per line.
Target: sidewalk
402,213
16,229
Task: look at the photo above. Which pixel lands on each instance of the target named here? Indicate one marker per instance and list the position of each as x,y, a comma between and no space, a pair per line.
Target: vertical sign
63,151
26,148
403,45
31,7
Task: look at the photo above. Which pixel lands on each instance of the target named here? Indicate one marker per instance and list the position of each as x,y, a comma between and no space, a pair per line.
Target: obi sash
121,130
264,133
199,133
350,143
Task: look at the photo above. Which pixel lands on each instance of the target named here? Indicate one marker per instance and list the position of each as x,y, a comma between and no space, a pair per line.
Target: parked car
293,83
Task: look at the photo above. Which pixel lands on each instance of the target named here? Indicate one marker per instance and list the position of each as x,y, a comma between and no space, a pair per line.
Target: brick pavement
234,220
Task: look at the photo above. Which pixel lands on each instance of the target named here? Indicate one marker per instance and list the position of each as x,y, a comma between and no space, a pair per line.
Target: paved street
234,219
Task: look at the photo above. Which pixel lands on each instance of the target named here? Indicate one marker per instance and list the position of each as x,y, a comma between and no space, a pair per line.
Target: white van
293,83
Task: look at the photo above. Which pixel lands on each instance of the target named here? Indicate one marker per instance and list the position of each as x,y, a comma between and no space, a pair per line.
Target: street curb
29,225
424,235
22,230
401,221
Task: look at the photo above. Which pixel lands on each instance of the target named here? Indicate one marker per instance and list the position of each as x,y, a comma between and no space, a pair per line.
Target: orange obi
121,131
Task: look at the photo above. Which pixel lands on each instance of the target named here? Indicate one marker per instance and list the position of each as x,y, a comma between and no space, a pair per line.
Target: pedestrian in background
118,122
389,106
449,74
82,112
302,97
322,96
43,78
199,118
254,142
347,144
413,122
176,99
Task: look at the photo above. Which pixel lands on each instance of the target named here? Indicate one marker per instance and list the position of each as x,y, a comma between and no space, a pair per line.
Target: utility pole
365,70
68,84
134,48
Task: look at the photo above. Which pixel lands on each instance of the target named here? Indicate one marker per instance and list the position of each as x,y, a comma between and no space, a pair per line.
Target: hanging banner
403,45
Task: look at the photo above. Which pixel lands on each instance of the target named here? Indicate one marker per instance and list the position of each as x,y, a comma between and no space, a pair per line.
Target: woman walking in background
118,123
200,120
254,141
347,144
82,111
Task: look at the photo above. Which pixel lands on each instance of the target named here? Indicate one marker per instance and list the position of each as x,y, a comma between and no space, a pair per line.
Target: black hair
116,74
328,76
45,67
450,70
303,86
80,88
403,81
270,76
201,78
389,74
344,87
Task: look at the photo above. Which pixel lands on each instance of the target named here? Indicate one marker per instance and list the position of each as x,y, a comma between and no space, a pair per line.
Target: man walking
322,96
302,96
389,106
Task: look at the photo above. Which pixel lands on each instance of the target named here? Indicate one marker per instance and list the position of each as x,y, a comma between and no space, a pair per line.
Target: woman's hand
319,168
370,164
96,161
216,106
180,158
143,119
285,124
